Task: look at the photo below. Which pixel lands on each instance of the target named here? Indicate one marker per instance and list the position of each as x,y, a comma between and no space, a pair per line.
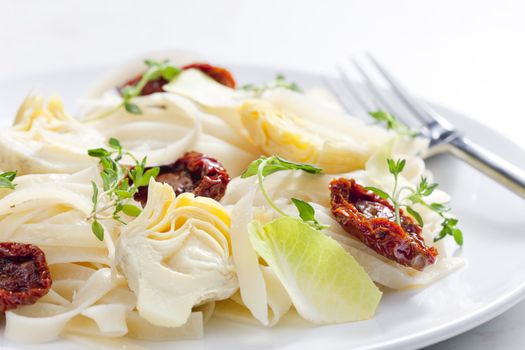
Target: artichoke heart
44,139
176,255
278,132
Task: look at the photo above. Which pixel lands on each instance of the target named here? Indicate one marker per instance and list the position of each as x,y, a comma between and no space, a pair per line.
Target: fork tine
379,95
422,112
365,105
341,95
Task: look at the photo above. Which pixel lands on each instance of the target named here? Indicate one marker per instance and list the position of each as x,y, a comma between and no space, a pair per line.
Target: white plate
492,220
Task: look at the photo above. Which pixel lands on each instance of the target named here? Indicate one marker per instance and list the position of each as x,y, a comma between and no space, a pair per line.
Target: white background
468,55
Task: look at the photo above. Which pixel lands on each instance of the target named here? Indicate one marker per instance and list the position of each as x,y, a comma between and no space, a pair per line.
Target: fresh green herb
155,70
119,184
162,69
265,166
395,168
276,163
6,180
307,213
415,215
417,196
279,82
449,225
131,107
392,123
131,210
97,229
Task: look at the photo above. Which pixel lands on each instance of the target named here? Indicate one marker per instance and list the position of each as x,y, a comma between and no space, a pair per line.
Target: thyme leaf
119,184
392,123
6,180
307,213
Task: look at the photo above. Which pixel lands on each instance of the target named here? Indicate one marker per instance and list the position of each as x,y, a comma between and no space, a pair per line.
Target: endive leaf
325,283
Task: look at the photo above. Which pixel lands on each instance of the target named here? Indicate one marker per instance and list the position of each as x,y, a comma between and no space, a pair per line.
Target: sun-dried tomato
193,172
24,275
219,74
372,220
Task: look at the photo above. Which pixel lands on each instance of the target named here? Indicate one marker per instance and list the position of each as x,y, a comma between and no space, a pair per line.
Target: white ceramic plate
492,220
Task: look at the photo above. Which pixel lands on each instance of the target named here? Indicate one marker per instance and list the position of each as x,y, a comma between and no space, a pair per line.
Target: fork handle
490,164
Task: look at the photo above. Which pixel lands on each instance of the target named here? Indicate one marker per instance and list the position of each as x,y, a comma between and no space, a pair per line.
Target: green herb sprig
392,123
279,82
6,180
449,224
417,196
119,184
155,70
265,166
274,164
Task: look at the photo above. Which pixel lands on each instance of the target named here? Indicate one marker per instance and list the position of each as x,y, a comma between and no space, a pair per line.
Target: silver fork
443,136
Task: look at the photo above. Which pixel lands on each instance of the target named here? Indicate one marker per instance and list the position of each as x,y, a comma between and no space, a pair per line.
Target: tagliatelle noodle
278,303
169,126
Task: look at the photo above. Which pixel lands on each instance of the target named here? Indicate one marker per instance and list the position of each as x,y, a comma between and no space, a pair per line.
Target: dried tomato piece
194,172
371,219
24,275
151,86
219,74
